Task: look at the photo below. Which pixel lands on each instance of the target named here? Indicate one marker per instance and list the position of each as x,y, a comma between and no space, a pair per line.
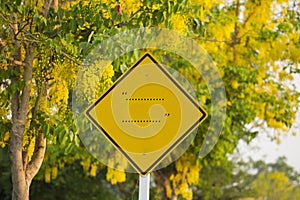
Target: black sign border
178,141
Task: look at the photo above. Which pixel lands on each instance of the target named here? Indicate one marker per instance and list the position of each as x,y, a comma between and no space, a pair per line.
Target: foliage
278,180
256,58
255,44
5,183
73,184
236,179
231,180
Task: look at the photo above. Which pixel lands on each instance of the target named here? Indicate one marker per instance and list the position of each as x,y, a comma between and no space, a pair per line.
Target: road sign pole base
144,187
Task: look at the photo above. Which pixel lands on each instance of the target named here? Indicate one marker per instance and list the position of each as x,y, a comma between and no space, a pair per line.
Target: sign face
145,114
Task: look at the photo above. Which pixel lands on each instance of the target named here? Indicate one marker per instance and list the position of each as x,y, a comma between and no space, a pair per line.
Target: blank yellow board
145,114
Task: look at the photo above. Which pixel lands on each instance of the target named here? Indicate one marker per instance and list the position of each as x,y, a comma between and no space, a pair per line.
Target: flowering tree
254,43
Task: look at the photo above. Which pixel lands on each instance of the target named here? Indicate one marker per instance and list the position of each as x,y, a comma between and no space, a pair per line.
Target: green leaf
77,141
123,67
46,129
64,138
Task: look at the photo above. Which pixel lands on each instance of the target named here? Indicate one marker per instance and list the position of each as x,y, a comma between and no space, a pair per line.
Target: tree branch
213,40
22,28
46,7
248,18
124,191
69,57
4,18
17,56
13,62
161,178
27,78
37,158
3,47
130,18
236,30
41,94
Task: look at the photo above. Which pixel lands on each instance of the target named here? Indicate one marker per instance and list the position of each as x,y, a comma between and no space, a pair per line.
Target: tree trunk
22,171
174,197
21,192
18,176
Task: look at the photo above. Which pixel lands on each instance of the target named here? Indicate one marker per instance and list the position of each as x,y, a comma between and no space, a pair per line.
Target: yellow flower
229,103
115,176
185,191
86,165
93,171
234,84
47,175
168,191
203,98
179,24
30,149
6,136
54,172
2,144
193,175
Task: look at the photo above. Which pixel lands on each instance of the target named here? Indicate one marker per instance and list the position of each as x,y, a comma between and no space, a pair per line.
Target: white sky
262,148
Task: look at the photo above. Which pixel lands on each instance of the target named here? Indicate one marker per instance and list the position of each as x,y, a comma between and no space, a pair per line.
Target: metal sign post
144,187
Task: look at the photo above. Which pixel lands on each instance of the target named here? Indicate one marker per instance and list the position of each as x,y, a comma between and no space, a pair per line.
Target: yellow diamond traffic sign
146,114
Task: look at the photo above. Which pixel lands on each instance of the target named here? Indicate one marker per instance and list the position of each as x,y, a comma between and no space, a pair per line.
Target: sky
262,148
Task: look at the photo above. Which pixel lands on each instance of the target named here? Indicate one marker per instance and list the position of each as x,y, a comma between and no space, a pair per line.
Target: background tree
237,179
254,44
42,44
278,180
